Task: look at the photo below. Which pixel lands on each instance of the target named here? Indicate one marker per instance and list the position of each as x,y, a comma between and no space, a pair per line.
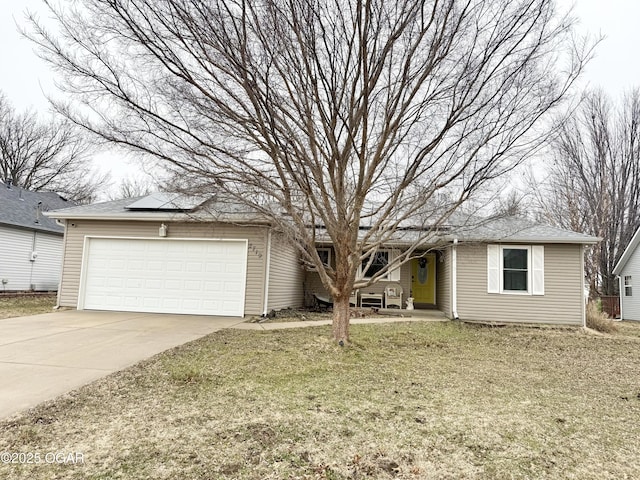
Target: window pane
380,261
628,292
324,256
515,258
515,280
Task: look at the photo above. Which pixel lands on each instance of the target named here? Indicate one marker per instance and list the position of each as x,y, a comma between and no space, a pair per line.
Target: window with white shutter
515,269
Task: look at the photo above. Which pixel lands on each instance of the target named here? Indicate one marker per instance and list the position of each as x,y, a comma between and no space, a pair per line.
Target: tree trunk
341,316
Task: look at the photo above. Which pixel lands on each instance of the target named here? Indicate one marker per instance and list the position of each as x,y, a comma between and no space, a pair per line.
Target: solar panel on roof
167,201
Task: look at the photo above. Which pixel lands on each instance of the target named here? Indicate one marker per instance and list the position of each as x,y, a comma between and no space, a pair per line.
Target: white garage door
199,277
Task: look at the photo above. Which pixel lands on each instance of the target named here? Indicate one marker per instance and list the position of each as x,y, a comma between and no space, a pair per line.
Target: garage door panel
172,284
231,287
214,267
136,264
154,284
175,267
155,266
131,301
193,286
165,276
115,282
193,267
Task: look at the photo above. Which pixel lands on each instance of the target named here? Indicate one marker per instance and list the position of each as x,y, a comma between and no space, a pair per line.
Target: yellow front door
423,279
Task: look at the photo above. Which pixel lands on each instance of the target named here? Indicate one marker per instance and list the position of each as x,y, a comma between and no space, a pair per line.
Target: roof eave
617,270
567,241
173,217
34,228
88,216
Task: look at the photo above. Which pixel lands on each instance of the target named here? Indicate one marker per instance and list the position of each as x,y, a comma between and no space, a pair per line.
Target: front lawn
408,400
22,305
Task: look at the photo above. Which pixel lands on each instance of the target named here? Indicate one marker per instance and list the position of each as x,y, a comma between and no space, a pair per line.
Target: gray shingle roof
518,229
215,209
19,208
463,227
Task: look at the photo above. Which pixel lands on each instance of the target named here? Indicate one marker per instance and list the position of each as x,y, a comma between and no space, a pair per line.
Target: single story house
627,269
164,253
30,243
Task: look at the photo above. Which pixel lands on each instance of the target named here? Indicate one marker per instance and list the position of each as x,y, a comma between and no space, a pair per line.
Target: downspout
454,279
584,300
32,260
267,272
62,223
620,295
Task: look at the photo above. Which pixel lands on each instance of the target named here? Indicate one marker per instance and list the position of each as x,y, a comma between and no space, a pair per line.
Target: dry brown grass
22,305
409,401
599,320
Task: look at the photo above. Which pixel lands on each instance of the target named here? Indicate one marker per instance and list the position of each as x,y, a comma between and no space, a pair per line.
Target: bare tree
39,155
133,187
593,183
325,116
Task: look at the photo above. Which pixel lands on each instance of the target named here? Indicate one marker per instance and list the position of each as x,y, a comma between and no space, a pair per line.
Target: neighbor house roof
626,255
24,208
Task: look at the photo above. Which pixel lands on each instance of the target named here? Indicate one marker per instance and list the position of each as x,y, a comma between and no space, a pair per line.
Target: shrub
599,320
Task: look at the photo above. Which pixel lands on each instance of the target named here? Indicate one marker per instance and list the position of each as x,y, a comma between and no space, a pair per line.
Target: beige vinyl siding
286,276
560,304
77,230
443,281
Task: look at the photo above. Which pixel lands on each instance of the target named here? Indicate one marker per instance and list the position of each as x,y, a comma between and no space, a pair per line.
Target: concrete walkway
43,356
429,316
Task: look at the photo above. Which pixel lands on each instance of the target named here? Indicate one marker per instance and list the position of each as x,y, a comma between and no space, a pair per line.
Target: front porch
422,283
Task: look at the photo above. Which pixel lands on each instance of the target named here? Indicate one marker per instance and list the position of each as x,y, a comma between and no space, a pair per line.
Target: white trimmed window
628,290
381,259
325,256
515,269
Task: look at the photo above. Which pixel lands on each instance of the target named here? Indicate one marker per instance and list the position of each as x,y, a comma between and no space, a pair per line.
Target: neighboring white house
628,271
30,243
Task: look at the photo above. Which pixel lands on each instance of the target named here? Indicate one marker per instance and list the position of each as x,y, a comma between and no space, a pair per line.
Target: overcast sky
616,68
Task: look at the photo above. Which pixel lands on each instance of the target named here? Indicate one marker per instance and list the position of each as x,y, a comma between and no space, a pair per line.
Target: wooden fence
611,305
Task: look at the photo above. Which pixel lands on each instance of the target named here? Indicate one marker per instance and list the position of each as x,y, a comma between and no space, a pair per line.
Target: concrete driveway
43,356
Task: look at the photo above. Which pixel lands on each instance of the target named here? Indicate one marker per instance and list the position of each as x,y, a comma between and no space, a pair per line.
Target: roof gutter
176,217
454,279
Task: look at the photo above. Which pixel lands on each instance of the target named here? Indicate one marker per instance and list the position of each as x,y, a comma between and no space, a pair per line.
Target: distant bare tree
38,155
593,184
133,187
325,116
512,203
